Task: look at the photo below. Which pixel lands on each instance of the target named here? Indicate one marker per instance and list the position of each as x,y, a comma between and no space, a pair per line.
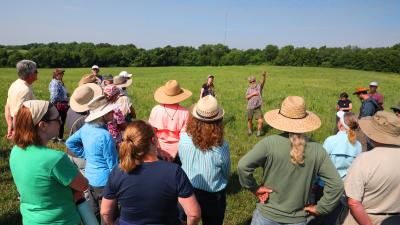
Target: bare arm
249,96
79,183
264,74
358,212
7,115
107,210
201,92
191,208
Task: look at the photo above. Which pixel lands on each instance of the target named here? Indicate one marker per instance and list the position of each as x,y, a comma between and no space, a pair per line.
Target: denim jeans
258,219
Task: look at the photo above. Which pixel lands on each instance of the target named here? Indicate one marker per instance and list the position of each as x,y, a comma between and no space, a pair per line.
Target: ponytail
298,143
351,122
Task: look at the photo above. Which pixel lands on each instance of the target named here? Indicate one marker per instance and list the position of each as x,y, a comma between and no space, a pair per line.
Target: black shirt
344,104
208,90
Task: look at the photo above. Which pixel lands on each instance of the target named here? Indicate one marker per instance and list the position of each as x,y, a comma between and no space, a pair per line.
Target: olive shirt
290,183
42,176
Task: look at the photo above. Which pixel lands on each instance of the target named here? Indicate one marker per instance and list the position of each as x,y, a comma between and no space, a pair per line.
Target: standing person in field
208,88
168,118
59,98
373,93
96,73
290,162
372,184
254,103
396,109
19,92
123,81
344,103
205,158
95,144
146,189
47,181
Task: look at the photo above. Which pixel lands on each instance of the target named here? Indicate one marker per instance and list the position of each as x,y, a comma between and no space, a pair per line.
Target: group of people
174,168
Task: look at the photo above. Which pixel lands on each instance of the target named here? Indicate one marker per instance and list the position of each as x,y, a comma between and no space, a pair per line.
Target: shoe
258,133
249,132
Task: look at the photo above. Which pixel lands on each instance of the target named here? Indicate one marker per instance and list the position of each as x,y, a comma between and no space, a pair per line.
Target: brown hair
351,121
298,143
25,132
136,143
205,134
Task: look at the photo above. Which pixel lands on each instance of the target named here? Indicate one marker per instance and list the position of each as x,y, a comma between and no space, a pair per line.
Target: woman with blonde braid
147,189
290,163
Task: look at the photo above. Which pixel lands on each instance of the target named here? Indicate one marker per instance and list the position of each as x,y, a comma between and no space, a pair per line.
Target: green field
319,86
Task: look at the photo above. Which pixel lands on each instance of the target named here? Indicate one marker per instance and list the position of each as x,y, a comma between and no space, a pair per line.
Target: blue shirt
58,93
149,194
207,170
97,147
341,151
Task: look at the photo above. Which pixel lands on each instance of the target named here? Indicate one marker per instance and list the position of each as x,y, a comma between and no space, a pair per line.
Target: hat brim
126,84
162,98
276,120
77,107
220,115
375,134
395,108
97,114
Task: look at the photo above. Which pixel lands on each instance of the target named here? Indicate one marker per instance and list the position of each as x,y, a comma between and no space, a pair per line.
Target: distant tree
270,52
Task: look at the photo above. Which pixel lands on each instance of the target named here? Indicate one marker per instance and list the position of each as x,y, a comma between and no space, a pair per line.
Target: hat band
173,94
305,115
206,117
383,130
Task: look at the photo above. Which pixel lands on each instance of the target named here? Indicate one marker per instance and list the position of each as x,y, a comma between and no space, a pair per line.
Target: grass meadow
319,86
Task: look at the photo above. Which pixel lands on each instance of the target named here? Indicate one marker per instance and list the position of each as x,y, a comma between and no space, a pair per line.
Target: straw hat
83,95
125,74
383,127
99,106
122,82
88,78
293,117
171,93
207,109
360,89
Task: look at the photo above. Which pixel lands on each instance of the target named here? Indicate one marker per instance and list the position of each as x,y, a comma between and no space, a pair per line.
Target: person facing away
254,103
47,181
95,144
373,93
344,103
368,105
168,118
372,184
146,189
123,81
290,162
19,92
208,87
205,158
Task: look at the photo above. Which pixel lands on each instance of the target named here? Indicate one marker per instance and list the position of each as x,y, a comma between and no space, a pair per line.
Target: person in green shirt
290,163
47,181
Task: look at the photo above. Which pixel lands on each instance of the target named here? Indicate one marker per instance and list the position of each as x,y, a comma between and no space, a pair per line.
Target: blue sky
238,24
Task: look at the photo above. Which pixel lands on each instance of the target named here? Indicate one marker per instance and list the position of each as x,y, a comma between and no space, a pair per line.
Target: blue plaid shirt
58,93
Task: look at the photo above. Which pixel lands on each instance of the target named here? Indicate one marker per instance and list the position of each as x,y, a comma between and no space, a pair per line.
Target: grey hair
25,68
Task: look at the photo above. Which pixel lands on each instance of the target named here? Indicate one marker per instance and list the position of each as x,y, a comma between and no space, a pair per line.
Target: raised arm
264,75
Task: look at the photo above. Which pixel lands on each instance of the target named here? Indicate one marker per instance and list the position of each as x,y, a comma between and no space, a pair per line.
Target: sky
237,24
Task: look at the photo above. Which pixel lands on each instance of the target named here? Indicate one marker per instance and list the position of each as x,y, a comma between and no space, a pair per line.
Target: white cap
95,67
125,74
373,83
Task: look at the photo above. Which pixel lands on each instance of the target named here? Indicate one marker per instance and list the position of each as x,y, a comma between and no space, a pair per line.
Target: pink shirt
378,97
169,121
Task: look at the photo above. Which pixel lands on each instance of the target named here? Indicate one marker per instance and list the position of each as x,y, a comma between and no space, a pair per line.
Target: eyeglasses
56,119
252,81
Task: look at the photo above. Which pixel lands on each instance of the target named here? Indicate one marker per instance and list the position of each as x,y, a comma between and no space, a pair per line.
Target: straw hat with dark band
82,95
122,82
383,127
207,109
99,106
293,117
171,93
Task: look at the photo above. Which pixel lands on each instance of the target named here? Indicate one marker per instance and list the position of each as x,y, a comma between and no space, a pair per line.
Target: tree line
385,59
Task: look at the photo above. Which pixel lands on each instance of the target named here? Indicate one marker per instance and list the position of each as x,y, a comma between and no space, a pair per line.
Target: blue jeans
258,219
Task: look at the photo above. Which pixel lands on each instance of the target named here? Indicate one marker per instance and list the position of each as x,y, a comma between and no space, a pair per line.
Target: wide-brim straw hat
171,93
88,78
383,127
293,116
207,109
99,106
122,82
82,95
360,89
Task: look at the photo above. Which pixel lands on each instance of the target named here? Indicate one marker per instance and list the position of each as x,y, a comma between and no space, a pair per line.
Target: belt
385,214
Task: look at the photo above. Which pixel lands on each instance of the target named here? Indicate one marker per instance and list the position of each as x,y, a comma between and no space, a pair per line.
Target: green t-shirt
42,176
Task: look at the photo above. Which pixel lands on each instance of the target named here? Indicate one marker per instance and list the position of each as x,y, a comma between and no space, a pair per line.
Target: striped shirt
207,170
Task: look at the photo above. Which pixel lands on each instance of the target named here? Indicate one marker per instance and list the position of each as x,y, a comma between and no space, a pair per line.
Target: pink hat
111,90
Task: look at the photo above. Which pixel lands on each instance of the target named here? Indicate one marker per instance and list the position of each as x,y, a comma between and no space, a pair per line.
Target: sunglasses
253,81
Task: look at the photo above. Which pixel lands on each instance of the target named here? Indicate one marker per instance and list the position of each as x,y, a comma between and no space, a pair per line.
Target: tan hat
383,127
88,78
207,109
293,117
122,82
99,106
171,93
38,109
83,95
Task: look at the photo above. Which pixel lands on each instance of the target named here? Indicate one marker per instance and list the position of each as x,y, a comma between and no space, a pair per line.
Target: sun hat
396,107
210,75
360,90
108,77
125,74
95,67
88,78
171,93
58,71
207,109
111,90
383,127
38,109
373,83
293,116
82,95
122,82
99,106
